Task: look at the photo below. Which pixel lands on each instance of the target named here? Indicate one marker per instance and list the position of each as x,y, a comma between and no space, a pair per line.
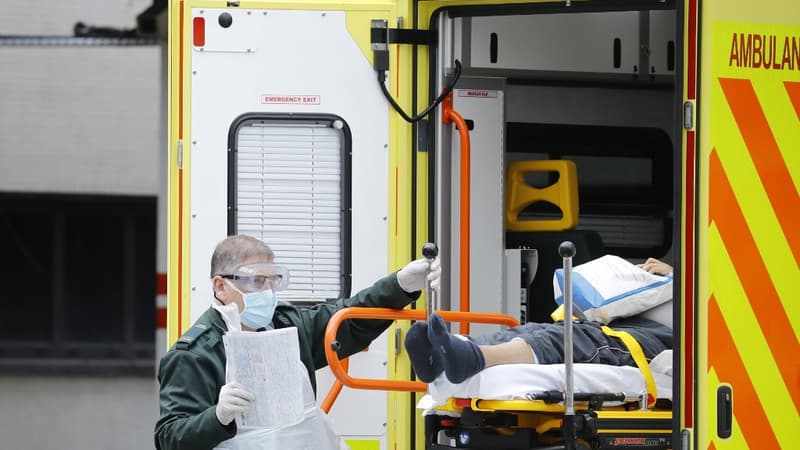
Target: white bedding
514,381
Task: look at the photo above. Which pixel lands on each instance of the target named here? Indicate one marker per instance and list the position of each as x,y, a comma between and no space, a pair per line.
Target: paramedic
433,350
197,406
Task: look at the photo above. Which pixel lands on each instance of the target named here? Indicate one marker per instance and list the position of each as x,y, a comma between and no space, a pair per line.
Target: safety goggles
260,277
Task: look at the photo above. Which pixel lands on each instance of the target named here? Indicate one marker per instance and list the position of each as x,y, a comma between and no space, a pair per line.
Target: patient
433,350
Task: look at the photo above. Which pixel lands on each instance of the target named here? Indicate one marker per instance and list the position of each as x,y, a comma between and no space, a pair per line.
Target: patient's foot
462,357
427,364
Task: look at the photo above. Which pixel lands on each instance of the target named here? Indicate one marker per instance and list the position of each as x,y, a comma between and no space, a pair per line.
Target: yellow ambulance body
718,79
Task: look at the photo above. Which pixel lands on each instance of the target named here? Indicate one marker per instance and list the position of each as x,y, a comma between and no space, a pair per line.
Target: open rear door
748,239
279,130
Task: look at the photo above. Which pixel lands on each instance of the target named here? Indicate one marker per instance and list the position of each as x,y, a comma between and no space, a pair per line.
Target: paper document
267,364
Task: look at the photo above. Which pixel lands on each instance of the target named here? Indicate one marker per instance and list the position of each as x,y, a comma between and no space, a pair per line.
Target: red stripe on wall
724,358
161,318
766,155
724,211
793,89
161,284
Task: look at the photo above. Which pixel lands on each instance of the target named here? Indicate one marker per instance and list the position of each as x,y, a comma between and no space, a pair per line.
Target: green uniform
192,372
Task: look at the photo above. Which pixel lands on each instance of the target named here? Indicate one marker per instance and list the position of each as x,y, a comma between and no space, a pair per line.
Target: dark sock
462,358
427,364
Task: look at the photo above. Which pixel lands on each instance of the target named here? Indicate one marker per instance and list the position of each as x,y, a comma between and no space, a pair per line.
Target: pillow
610,287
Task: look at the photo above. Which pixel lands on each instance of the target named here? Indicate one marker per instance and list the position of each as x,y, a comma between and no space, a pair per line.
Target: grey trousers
590,344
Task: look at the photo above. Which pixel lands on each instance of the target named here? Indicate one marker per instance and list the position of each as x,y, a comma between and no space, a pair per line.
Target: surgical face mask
259,307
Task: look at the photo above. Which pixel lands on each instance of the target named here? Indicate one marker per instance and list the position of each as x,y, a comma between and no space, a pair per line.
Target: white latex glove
411,278
234,400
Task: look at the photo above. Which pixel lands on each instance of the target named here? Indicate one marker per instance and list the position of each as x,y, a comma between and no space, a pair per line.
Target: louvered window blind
290,194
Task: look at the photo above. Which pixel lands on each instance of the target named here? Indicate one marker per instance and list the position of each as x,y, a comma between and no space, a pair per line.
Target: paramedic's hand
657,267
411,278
233,401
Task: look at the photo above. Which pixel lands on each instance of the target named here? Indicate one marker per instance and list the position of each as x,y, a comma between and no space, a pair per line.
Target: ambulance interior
550,83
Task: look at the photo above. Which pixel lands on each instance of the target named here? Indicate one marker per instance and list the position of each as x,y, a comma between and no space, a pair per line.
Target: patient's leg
427,364
515,351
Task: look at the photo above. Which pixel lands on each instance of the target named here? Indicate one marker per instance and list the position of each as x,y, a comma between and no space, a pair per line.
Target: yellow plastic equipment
563,194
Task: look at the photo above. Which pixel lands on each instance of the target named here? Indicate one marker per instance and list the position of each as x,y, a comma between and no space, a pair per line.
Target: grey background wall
78,120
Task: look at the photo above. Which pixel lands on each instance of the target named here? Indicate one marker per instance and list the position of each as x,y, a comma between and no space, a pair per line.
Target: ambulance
347,135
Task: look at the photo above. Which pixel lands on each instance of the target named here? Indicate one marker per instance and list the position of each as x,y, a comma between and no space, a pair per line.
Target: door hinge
409,36
180,154
382,35
398,347
686,440
422,135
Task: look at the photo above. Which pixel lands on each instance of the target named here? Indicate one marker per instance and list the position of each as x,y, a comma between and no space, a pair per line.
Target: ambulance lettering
764,51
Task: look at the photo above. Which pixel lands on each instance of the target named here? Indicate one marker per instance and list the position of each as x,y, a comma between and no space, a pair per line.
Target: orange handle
340,371
449,115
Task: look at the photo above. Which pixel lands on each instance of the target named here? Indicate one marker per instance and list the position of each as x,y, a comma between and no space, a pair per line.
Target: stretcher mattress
514,381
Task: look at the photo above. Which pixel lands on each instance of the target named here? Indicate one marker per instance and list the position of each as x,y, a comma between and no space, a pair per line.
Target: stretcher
521,406
530,406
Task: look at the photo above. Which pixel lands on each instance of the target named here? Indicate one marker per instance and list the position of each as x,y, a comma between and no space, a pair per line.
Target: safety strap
558,314
639,359
633,347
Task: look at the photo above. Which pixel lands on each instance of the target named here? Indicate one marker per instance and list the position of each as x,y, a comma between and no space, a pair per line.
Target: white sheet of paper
267,364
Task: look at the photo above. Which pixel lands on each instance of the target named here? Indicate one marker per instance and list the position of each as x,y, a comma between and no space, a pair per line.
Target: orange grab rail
340,370
451,116
336,388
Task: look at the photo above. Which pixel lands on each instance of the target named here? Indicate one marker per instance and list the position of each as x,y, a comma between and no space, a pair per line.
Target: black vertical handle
724,411
671,55
493,48
617,53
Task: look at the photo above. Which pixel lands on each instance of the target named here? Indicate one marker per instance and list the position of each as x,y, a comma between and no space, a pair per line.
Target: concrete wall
54,17
46,412
78,120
